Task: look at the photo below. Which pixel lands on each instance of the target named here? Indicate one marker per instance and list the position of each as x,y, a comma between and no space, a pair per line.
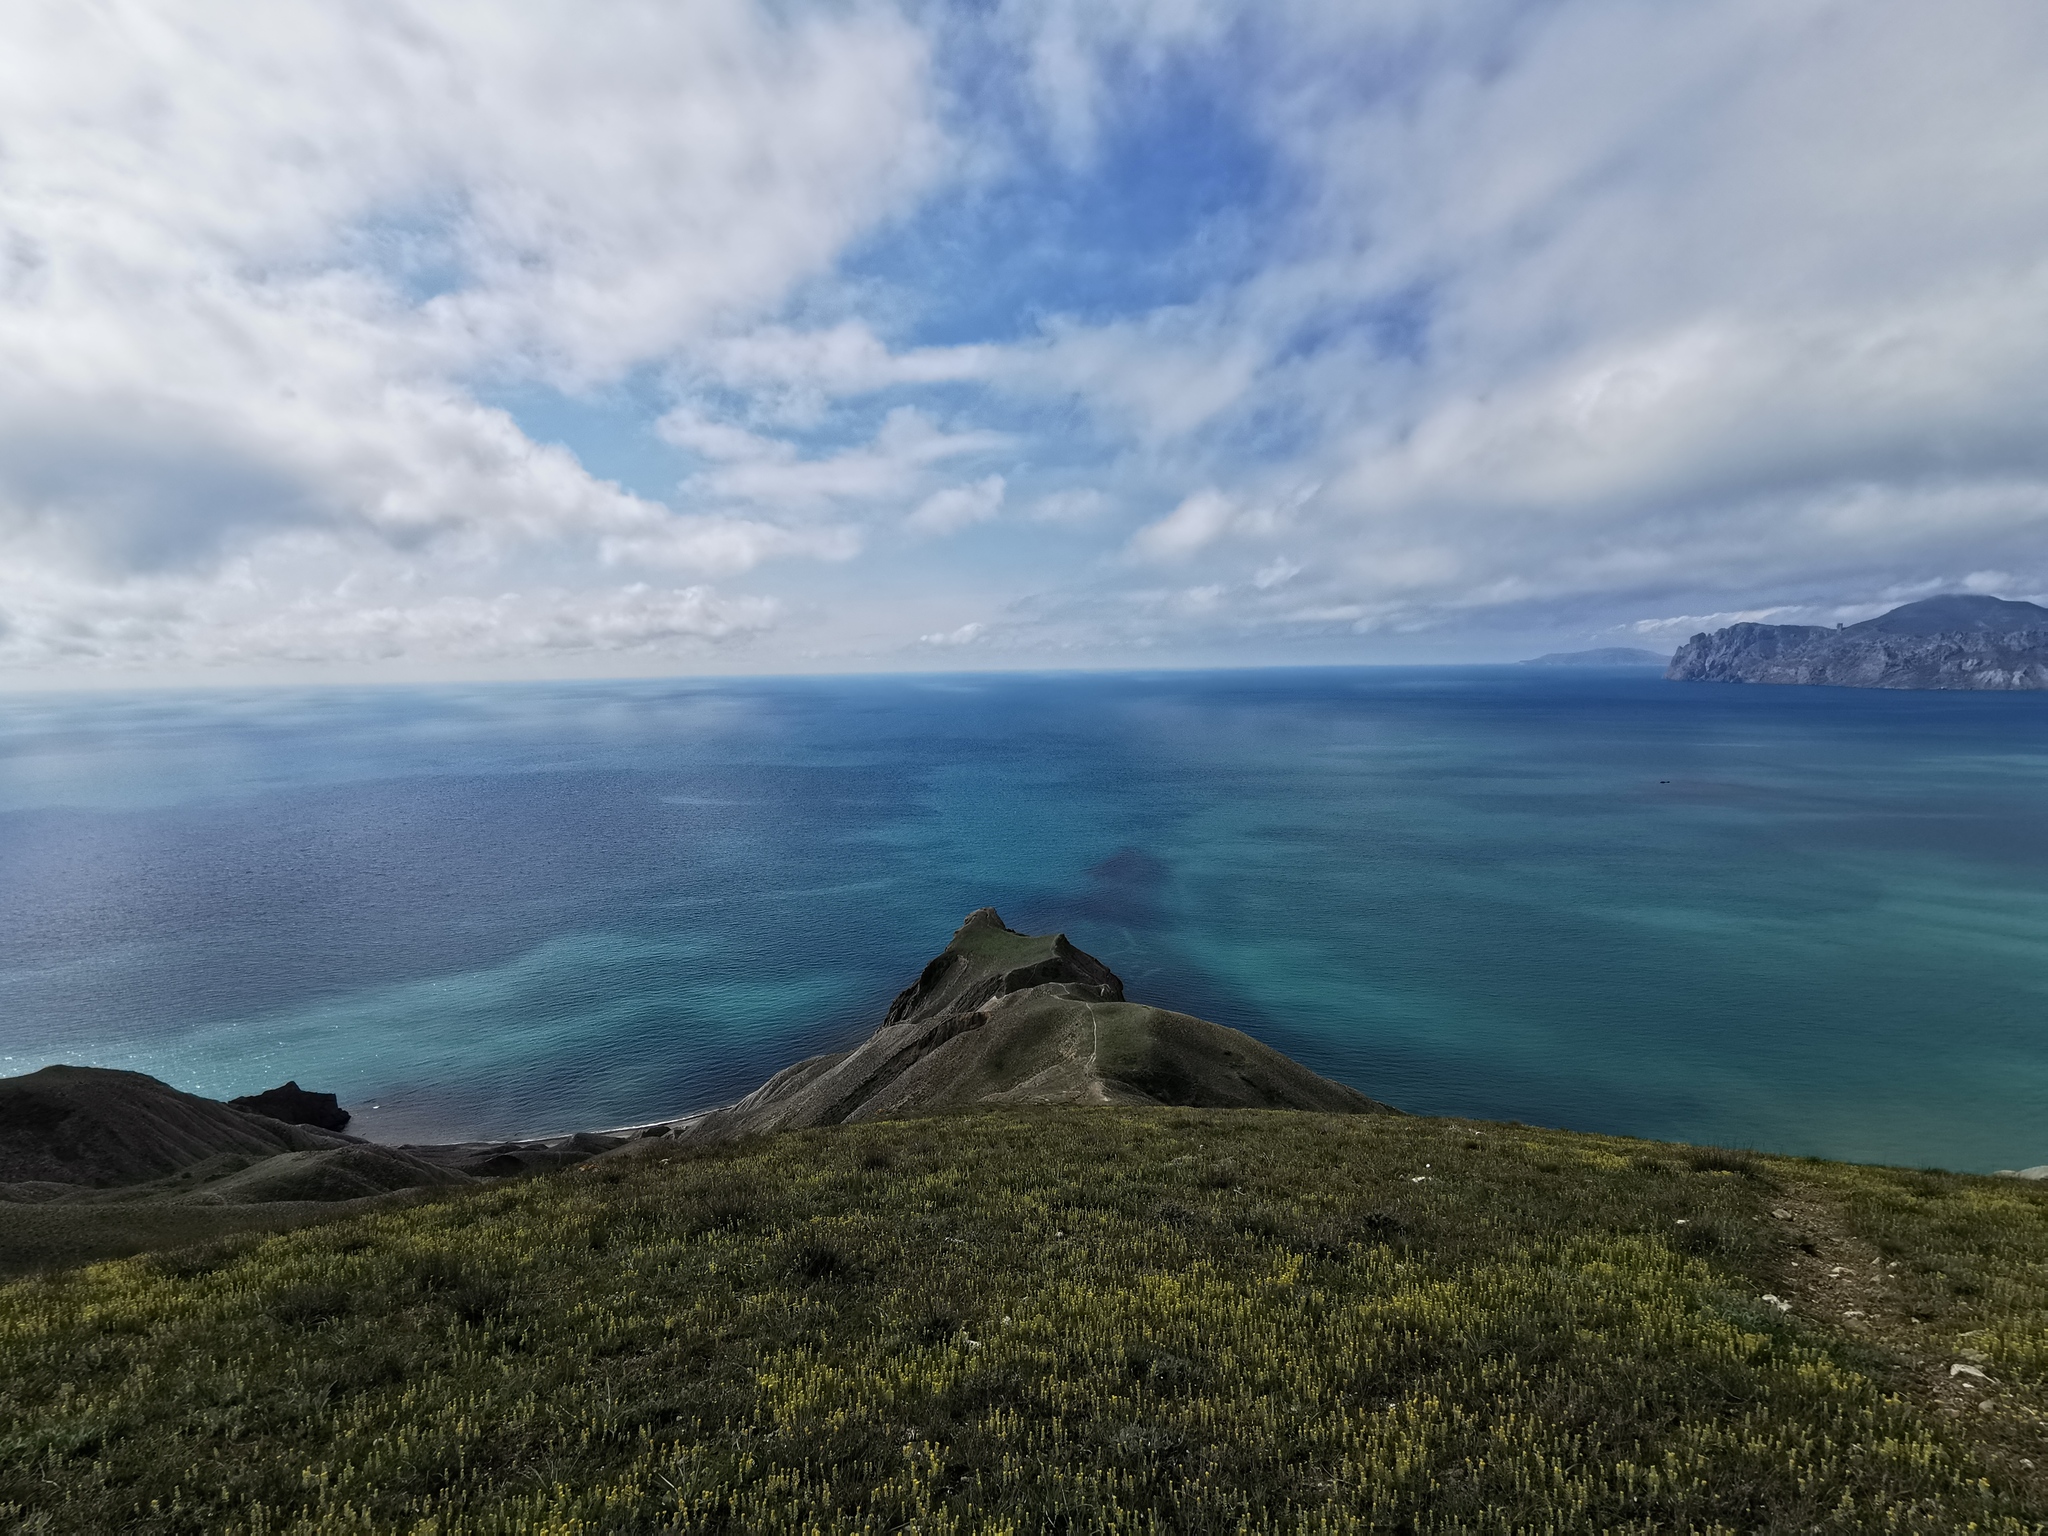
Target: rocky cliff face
295,1106
1943,642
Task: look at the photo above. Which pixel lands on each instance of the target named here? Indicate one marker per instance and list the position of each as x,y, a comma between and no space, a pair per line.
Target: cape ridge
1957,642
997,1019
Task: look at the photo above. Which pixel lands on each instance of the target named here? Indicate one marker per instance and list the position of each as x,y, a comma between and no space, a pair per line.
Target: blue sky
394,340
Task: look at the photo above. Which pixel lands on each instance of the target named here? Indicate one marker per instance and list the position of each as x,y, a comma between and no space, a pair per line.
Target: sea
1807,920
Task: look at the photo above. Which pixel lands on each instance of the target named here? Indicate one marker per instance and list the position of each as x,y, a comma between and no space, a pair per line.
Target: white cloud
1693,623
632,618
1195,523
1163,377
1604,301
1071,46
1072,508
720,441
770,473
1593,305
1274,573
966,634
1201,520
727,546
790,375
257,261
957,507
251,619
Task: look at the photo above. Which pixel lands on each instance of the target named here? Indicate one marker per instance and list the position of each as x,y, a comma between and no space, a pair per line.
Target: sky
379,340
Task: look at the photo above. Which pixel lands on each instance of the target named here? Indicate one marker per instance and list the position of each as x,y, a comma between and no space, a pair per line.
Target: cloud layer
735,336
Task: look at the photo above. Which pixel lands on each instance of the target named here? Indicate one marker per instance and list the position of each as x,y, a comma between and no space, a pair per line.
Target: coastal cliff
1943,642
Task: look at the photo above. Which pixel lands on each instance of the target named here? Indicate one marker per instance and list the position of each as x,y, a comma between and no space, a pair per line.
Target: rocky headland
295,1106
1005,1018
112,1162
1942,642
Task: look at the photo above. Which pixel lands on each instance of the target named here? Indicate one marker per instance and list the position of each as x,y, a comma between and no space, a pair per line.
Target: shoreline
552,1139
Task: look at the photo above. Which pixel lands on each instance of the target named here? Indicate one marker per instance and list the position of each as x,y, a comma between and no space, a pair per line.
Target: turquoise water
1811,920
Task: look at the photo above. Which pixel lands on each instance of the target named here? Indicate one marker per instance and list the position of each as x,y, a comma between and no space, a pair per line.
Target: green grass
1076,1319
1000,948
63,1234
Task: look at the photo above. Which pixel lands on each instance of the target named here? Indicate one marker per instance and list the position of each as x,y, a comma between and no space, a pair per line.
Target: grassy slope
1092,1319
1000,948
1041,1049
218,1197
38,1238
93,1126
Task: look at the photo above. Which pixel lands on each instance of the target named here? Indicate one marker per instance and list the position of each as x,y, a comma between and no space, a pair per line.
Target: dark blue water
1811,920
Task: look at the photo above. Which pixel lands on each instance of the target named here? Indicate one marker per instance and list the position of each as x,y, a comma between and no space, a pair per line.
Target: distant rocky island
1961,641
1604,656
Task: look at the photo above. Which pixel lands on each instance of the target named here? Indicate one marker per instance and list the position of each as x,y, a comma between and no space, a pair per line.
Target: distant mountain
1605,656
1960,641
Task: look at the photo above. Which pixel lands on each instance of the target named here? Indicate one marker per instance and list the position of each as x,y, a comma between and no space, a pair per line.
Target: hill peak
1001,1017
1957,613
96,1127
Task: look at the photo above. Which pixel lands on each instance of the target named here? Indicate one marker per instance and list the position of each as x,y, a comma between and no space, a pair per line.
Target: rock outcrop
295,1106
1943,642
1008,1018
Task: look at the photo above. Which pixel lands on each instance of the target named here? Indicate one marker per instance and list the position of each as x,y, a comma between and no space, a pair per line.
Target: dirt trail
1842,1282
1097,1094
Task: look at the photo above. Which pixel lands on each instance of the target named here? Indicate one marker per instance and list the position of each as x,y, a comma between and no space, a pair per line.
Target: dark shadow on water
1126,889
